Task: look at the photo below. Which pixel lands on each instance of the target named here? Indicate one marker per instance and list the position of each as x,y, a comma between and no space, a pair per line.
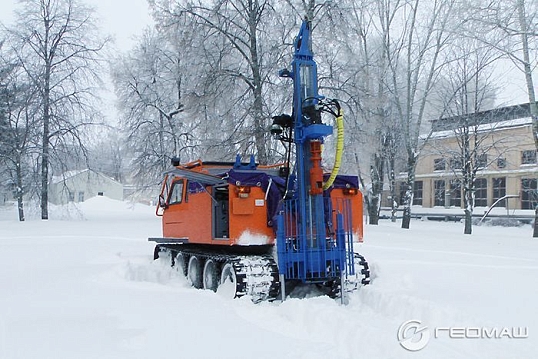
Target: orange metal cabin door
187,215
174,217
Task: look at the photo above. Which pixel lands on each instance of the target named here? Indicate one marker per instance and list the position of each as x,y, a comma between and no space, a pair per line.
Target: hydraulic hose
339,149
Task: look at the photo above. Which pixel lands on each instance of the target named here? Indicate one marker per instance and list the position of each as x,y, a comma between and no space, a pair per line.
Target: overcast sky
123,19
126,19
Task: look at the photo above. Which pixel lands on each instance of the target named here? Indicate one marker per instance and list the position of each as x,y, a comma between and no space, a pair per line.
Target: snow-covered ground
84,285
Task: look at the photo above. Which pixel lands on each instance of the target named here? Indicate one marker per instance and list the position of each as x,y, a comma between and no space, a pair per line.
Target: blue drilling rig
316,225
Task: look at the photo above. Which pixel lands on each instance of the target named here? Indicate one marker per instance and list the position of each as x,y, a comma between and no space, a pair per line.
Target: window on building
456,163
501,162
529,193
417,193
528,157
482,161
176,195
71,196
499,190
81,196
455,193
439,164
439,193
481,192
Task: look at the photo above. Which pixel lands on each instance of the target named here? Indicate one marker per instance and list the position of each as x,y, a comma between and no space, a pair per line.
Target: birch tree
57,45
240,28
414,34
17,127
152,84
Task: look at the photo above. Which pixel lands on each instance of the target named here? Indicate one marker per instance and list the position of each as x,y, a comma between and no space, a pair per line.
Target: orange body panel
249,214
190,219
190,215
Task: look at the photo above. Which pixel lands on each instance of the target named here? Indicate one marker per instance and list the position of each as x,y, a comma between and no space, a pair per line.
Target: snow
247,238
86,286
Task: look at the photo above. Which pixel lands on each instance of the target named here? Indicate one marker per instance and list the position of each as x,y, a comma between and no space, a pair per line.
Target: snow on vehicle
267,228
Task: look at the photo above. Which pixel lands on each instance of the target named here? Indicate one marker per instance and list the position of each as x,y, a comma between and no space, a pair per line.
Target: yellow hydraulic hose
339,149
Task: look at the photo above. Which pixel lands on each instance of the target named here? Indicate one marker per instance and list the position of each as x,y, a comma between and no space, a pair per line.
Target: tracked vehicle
260,230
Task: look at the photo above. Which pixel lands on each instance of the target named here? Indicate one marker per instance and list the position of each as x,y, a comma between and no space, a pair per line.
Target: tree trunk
46,125
373,210
530,86
376,175
45,151
260,130
20,191
392,186
468,202
408,201
406,220
468,229
535,233
527,68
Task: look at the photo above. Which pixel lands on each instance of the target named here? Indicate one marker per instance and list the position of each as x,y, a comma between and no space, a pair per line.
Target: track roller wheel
194,272
180,263
211,280
228,281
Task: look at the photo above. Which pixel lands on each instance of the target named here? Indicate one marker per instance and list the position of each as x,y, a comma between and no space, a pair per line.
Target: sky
122,19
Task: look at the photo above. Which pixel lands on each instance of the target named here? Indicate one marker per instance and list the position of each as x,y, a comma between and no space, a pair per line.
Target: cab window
176,195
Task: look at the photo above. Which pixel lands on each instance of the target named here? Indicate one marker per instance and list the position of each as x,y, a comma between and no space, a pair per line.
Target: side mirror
162,202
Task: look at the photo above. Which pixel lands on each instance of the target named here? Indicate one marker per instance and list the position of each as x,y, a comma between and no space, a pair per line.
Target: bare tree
354,71
153,83
18,107
516,21
237,27
527,32
57,45
413,51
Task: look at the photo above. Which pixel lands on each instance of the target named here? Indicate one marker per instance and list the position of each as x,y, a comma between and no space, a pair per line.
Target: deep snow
84,285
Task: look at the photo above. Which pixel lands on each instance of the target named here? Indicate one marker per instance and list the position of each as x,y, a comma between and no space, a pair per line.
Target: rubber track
362,277
256,275
364,272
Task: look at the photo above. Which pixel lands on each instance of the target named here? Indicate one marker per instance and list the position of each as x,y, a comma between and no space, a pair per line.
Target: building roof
483,117
70,174
486,127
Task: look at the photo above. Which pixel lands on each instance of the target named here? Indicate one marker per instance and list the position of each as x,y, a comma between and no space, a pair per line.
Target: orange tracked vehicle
265,228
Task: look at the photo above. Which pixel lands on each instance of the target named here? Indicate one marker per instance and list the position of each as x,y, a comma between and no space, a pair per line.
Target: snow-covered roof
486,127
69,174
66,175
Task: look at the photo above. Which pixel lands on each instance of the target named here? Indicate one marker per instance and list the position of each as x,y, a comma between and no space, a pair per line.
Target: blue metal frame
306,249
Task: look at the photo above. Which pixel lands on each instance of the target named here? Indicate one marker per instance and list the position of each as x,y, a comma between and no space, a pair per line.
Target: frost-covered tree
414,34
515,21
57,44
471,84
18,118
241,47
153,83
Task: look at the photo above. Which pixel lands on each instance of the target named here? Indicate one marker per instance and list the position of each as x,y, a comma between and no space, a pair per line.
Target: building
80,185
506,160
